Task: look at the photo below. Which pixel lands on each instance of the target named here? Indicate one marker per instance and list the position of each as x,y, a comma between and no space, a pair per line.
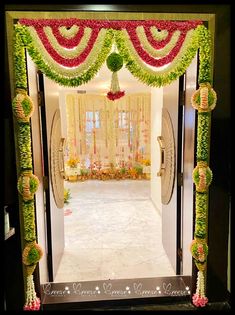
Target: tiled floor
112,231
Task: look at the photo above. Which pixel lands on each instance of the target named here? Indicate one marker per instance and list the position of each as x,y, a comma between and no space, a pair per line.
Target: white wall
156,118
63,116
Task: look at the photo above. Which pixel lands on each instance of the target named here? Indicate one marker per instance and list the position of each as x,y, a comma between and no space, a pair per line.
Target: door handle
162,155
61,157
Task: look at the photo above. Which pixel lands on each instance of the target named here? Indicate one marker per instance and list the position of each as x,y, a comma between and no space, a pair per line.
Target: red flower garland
157,44
149,59
97,25
68,42
114,96
64,61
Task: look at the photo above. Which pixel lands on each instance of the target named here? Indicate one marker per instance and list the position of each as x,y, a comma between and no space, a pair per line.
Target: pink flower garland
199,301
32,301
33,306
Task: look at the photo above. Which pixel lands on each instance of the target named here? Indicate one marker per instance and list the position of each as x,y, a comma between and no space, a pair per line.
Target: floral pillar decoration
204,101
27,185
114,63
71,52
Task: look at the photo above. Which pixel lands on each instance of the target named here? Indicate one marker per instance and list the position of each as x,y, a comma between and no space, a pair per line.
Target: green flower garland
204,39
22,107
154,78
63,80
29,221
114,62
203,136
19,62
24,145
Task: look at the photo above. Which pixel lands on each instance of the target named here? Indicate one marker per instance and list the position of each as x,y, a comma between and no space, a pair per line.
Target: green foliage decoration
114,62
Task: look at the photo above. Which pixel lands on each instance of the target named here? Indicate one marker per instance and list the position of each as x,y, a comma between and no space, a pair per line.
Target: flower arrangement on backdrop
71,52
67,195
73,162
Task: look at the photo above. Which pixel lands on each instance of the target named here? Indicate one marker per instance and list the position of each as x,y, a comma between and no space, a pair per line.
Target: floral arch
71,52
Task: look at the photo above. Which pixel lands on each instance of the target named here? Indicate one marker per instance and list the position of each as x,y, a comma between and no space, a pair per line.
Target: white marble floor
112,231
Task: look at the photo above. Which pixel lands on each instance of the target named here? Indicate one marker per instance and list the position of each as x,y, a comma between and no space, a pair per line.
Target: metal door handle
61,157
162,155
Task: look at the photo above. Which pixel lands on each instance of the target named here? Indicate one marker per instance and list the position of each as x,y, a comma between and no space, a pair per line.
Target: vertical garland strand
204,101
27,185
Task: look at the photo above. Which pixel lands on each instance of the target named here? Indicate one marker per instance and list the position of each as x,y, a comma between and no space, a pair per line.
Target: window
92,120
122,120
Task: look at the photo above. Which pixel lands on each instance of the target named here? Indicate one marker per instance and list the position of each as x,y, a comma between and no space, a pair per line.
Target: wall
156,116
63,116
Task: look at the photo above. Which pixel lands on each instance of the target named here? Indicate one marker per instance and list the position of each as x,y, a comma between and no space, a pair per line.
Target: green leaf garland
153,78
63,80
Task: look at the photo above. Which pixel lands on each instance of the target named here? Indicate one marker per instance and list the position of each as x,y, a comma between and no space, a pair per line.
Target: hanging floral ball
199,251
27,185
22,107
114,62
202,176
204,99
32,253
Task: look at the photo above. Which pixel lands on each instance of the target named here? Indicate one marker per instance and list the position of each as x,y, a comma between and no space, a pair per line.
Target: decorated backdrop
71,52
102,133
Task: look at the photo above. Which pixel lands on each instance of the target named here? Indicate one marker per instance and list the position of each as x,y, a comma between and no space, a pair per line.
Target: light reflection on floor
112,231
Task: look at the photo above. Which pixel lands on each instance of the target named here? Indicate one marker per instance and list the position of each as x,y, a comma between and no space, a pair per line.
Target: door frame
45,154
14,15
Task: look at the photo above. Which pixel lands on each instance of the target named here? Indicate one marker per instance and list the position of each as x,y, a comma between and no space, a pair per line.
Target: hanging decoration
22,106
114,63
204,101
145,47
71,52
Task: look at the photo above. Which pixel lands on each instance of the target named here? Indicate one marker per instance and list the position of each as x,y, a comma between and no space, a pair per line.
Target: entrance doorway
176,214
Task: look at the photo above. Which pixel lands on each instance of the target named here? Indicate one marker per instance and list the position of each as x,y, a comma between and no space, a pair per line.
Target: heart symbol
47,288
167,287
77,287
137,287
107,287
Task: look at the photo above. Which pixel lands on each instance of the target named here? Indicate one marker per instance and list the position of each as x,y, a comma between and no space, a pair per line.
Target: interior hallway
113,231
